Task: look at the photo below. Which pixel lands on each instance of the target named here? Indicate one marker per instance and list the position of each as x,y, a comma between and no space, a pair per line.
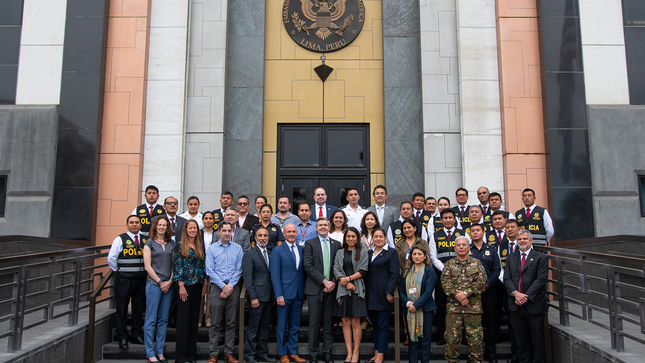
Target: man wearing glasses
245,219
171,205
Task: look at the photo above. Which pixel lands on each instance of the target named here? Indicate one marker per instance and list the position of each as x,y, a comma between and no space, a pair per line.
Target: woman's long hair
357,245
153,230
185,246
332,228
409,264
364,232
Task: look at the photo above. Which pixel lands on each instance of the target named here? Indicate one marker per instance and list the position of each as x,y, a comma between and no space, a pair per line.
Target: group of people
458,267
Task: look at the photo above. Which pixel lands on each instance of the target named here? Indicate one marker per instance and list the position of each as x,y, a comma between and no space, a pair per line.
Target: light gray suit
242,237
390,215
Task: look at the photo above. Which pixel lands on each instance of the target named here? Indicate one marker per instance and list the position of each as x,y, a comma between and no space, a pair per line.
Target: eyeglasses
171,203
242,203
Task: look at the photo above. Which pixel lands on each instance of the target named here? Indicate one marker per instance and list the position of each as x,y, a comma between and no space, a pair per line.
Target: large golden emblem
323,25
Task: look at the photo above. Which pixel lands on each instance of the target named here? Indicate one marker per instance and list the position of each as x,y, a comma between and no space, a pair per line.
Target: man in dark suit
239,235
525,278
255,269
170,204
288,280
320,288
245,219
386,214
321,208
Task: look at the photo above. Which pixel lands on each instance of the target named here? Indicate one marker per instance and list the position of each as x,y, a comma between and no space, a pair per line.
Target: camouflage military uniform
468,276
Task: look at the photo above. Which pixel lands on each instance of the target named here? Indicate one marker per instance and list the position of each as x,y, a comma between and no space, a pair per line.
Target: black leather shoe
123,344
137,340
328,358
442,341
313,360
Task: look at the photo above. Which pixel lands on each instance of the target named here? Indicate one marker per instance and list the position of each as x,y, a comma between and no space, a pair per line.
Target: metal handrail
241,323
89,354
397,327
78,280
605,272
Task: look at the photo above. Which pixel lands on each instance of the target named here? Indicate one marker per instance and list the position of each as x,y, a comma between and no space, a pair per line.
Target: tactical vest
425,218
397,231
462,218
492,239
445,245
534,223
146,219
504,251
438,223
488,225
218,217
130,261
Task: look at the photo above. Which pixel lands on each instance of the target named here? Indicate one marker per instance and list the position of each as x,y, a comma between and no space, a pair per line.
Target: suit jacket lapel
319,251
528,259
259,252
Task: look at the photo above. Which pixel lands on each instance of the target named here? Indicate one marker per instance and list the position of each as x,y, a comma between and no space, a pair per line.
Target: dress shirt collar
531,207
451,230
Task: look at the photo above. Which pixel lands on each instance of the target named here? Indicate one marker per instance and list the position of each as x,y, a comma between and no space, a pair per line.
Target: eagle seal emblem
323,25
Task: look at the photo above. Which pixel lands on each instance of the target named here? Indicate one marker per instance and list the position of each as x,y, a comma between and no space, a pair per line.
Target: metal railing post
564,317
74,305
89,346
18,320
397,328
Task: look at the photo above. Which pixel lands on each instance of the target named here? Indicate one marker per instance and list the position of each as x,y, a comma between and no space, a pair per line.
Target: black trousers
529,331
490,320
502,296
124,291
257,331
187,321
320,314
440,299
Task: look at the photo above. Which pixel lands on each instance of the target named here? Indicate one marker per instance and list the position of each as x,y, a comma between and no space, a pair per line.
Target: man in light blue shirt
284,217
224,268
306,228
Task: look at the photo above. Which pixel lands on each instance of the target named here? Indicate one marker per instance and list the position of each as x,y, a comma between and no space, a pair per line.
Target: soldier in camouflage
463,279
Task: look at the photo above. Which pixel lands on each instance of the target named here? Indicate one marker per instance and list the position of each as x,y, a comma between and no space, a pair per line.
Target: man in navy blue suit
321,208
288,280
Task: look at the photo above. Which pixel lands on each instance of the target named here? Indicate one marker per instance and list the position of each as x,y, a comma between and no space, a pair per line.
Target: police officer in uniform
536,219
148,210
463,279
442,249
495,202
395,232
225,201
491,262
483,195
126,260
462,209
496,236
421,215
476,216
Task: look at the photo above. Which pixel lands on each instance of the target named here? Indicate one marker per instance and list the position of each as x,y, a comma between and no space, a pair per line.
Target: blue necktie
294,255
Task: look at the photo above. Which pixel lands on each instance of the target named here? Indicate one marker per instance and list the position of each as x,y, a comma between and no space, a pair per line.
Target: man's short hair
228,193
127,220
513,221
322,219
479,225
430,198
152,187
380,187
225,223
498,213
478,207
462,237
242,196
406,202
528,190
495,194
305,204
525,231
446,211
166,200
350,189
461,189
231,208
284,196
418,194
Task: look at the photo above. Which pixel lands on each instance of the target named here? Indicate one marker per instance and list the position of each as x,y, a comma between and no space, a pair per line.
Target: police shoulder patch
504,252
426,218
128,242
142,210
487,253
491,238
536,215
397,231
457,234
273,229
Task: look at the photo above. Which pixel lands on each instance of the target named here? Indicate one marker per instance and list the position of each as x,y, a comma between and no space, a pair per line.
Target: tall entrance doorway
332,156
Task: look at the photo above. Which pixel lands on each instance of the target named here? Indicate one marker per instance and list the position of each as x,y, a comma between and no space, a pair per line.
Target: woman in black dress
350,265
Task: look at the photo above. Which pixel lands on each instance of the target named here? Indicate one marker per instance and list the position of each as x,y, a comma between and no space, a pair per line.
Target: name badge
412,291
407,255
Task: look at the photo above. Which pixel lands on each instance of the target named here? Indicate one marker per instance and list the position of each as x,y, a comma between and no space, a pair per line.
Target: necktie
136,240
499,234
462,209
150,211
528,212
485,209
326,258
266,258
418,215
295,257
172,222
511,246
449,234
379,210
522,268
320,212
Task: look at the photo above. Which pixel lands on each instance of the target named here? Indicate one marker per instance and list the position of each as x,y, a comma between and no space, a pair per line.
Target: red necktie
499,234
150,211
449,234
462,209
136,240
528,212
522,268
418,215
511,246
320,212
485,209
